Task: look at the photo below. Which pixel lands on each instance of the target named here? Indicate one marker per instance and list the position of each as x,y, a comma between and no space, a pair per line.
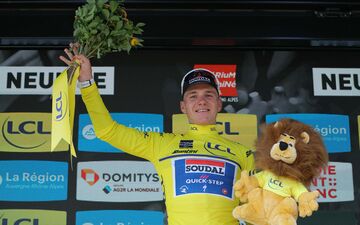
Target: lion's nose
283,146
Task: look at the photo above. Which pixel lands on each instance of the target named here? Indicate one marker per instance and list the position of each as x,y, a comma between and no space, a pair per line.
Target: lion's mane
311,157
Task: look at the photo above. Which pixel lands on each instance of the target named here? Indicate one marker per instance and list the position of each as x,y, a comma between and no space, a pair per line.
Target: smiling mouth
282,156
202,110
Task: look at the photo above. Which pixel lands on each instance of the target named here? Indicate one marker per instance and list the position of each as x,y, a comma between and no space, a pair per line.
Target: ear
219,104
305,137
182,107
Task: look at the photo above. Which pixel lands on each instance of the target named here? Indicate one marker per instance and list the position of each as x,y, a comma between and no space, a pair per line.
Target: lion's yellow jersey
283,186
197,169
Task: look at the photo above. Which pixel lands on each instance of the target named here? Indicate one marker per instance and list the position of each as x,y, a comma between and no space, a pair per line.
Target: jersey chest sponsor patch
203,175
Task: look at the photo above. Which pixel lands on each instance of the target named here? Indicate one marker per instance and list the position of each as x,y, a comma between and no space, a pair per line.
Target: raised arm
127,139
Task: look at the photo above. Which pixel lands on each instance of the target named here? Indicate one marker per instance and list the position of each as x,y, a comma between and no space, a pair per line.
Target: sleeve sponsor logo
336,81
335,183
115,181
87,140
31,217
26,132
186,143
226,75
203,175
38,80
334,129
240,128
119,217
33,180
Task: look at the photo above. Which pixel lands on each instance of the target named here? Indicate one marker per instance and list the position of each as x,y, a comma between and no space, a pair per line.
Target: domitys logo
90,176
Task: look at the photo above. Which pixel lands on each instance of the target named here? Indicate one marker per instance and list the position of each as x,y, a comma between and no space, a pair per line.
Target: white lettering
42,178
201,168
227,84
329,130
144,128
38,80
336,81
222,75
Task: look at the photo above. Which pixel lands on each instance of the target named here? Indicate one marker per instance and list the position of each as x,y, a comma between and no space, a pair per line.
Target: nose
283,146
202,100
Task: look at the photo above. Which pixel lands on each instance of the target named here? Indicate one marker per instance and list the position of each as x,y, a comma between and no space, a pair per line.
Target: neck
202,129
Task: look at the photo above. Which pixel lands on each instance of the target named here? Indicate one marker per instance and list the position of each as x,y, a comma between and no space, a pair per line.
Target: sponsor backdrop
241,128
26,132
18,216
88,142
334,129
106,186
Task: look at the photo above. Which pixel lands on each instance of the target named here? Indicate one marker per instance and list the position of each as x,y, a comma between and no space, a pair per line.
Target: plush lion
289,154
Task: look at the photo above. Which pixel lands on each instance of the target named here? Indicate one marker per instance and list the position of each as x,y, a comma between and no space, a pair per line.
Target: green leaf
113,6
106,13
119,25
100,3
140,24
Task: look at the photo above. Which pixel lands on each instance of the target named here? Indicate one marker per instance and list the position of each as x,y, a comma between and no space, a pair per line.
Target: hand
308,203
85,65
243,186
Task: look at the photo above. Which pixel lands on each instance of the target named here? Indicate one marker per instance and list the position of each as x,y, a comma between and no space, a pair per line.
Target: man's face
201,103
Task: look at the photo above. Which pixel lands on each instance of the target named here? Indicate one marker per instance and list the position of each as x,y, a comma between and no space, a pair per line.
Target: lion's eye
291,145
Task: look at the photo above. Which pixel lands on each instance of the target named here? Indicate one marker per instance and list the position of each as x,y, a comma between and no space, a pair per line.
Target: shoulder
164,136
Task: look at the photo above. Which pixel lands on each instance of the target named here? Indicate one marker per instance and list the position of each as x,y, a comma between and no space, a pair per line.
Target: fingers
72,54
307,207
313,205
239,185
65,60
68,53
316,194
305,211
75,48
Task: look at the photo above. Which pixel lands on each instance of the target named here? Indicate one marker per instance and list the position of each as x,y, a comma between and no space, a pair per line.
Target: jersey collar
202,129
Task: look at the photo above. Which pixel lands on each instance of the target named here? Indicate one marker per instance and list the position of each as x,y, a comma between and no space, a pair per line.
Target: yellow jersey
197,169
282,186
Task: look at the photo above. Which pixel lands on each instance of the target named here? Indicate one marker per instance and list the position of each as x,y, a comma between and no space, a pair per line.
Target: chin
204,122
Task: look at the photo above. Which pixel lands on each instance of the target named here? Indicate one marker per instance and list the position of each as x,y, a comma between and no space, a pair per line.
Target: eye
291,145
192,96
209,96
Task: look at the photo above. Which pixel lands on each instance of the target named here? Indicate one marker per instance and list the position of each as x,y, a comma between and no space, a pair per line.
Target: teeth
203,110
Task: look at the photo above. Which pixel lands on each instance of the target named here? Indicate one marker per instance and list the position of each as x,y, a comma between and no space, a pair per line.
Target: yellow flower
134,41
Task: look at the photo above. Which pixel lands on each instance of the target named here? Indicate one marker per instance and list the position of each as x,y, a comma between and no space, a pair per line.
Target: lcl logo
60,106
227,128
26,127
210,147
22,221
23,128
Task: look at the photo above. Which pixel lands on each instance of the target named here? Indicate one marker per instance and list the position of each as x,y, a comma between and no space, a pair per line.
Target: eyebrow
286,135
